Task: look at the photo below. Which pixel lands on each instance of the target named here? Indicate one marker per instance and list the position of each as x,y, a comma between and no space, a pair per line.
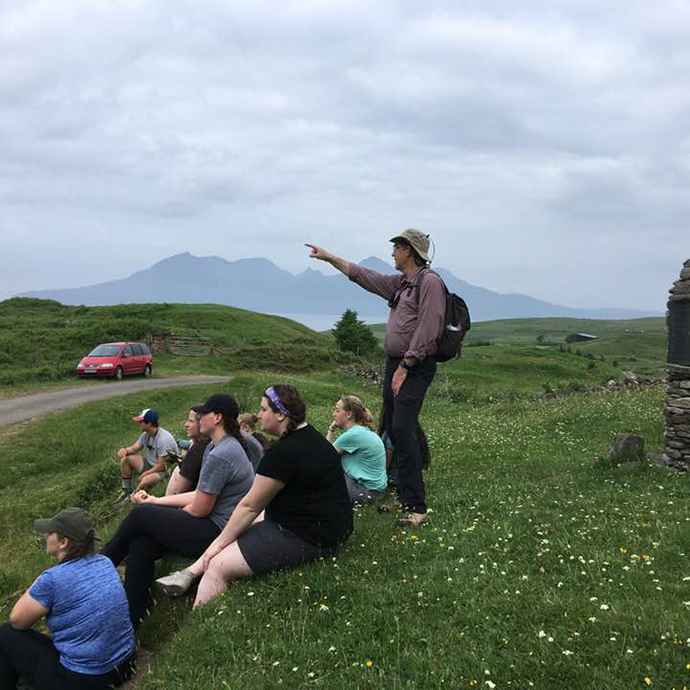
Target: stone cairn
677,410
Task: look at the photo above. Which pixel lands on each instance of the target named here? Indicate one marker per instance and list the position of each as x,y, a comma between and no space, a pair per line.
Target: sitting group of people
235,504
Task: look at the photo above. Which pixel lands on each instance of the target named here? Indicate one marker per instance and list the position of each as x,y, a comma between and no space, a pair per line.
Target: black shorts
267,546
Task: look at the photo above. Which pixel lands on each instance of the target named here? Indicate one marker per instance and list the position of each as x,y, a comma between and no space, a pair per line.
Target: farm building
580,337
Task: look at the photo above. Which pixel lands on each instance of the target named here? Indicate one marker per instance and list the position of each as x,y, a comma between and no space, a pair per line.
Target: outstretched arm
323,255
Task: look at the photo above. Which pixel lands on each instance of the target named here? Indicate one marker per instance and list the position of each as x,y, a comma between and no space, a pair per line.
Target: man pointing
417,304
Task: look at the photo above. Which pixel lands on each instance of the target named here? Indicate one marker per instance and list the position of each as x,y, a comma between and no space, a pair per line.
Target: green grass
637,345
509,371
41,341
539,567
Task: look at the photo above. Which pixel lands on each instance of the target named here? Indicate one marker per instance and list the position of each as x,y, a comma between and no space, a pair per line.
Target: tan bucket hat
418,240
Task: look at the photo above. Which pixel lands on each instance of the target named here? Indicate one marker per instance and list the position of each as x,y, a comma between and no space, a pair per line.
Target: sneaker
176,584
393,507
124,497
411,519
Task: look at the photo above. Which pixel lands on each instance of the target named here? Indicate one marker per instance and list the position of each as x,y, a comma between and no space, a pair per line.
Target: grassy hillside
512,371
637,345
538,568
42,340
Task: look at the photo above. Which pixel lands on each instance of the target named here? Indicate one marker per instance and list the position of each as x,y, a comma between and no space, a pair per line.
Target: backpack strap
426,271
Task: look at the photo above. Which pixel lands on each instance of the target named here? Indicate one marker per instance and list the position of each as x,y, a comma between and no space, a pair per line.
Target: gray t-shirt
157,446
256,450
227,473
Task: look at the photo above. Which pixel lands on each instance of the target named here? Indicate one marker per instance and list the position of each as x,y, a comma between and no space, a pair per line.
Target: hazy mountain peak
376,264
259,285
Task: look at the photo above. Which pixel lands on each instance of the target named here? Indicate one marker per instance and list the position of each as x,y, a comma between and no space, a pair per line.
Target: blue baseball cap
148,415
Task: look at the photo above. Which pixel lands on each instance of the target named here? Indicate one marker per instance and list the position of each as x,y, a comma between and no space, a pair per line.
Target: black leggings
147,534
33,656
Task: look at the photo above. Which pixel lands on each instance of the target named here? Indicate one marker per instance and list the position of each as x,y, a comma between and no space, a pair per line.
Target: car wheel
118,373
147,371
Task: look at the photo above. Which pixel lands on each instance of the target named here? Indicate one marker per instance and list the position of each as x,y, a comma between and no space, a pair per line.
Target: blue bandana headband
271,394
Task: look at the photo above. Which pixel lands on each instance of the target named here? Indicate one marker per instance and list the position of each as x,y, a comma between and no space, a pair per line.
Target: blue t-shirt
88,614
364,457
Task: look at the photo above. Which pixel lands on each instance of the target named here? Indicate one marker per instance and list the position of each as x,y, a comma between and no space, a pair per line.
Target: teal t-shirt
364,457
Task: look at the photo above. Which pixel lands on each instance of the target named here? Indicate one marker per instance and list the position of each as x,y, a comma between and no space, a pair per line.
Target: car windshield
105,351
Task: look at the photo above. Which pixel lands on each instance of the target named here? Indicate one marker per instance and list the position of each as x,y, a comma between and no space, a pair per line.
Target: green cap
73,523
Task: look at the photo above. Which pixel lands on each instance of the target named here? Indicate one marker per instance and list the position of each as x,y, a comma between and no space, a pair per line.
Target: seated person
186,475
254,448
297,510
157,442
185,523
360,448
248,423
92,643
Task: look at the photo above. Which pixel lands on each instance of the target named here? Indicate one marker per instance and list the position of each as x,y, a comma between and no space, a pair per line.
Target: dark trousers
33,656
147,534
401,413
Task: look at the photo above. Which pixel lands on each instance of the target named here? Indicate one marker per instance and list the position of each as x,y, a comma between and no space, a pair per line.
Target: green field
41,341
540,567
637,345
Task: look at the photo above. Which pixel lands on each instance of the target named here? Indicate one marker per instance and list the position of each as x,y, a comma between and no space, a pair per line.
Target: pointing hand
318,252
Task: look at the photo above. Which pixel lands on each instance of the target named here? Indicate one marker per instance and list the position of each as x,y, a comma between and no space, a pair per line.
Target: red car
117,359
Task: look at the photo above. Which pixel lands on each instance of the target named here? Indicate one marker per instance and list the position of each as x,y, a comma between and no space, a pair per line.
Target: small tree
352,335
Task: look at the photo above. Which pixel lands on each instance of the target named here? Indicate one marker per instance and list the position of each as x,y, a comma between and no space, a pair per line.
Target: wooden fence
180,345
189,347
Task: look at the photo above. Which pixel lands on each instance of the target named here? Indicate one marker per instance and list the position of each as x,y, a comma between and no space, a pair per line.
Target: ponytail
360,414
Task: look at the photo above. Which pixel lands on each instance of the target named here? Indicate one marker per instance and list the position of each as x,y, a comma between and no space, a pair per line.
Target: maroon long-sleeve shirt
416,322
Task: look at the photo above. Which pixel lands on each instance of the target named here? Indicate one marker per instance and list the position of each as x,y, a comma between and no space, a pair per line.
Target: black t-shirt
190,467
314,504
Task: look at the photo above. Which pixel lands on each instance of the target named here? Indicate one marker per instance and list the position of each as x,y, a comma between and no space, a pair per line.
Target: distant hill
42,340
259,285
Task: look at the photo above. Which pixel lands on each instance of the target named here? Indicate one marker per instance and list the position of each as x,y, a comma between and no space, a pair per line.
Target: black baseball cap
221,404
73,523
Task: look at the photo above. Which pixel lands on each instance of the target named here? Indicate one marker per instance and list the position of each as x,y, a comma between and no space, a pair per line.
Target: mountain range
260,285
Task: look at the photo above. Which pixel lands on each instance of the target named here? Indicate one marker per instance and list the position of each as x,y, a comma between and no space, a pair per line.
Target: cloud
513,134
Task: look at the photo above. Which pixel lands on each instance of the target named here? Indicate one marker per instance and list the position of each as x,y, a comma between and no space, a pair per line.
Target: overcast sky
546,149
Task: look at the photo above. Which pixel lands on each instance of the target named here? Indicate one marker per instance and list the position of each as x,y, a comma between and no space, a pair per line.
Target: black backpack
455,325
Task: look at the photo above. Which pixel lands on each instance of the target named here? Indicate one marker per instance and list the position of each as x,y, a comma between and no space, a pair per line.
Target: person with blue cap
158,443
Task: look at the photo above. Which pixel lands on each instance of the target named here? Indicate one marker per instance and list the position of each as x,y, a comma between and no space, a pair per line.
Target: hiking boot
411,519
176,584
393,507
124,497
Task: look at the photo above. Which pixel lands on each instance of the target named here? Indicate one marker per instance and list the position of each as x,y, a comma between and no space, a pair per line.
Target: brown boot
410,519
393,507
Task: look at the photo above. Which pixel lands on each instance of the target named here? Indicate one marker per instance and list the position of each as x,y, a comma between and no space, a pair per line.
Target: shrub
352,335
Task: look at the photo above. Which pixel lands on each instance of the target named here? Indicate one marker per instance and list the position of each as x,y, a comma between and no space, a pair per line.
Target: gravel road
23,407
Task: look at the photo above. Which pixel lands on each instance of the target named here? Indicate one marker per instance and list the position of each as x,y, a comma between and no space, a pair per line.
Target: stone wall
677,410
